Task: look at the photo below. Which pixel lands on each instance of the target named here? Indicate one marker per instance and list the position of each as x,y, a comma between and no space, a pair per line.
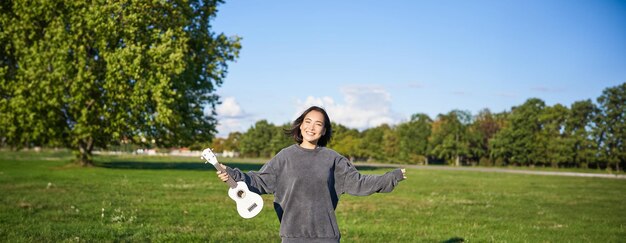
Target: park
509,118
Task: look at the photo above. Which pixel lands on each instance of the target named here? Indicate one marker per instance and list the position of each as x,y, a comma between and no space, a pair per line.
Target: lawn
179,199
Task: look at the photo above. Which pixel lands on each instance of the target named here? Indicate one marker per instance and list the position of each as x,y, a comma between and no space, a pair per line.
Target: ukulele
249,204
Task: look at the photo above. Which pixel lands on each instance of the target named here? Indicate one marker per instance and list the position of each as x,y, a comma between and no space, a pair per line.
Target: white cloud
360,107
229,108
363,107
230,116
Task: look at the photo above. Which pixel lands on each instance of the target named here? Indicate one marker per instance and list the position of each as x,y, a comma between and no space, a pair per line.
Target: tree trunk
85,146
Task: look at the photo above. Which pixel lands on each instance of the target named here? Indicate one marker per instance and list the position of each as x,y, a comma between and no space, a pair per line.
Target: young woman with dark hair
298,135
307,180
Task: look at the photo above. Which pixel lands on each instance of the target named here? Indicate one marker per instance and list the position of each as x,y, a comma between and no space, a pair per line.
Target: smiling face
312,129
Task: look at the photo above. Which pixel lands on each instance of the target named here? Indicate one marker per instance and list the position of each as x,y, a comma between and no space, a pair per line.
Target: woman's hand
222,176
403,173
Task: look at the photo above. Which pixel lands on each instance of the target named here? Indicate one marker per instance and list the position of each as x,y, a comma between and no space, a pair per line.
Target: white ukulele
249,204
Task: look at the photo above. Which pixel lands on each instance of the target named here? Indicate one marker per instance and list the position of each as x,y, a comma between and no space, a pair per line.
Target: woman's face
312,127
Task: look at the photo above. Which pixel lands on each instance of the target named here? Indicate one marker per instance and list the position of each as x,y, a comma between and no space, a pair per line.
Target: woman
307,179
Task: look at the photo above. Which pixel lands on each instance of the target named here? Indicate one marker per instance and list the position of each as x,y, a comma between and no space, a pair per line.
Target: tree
578,127
279,139
346,141
552,143
256,141
449,136
217,145
611,125
371,142
413,139
232,141
516,142
90,74
481,131
390,145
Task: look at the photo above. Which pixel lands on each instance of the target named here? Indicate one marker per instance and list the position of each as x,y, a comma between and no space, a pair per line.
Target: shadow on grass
454,240
133,165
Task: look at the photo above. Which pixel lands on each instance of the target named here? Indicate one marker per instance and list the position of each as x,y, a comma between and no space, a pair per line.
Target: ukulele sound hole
241,194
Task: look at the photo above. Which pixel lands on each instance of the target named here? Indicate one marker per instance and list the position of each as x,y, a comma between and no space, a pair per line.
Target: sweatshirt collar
318,148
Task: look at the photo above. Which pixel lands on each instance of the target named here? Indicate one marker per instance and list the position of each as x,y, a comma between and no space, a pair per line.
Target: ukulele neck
230,181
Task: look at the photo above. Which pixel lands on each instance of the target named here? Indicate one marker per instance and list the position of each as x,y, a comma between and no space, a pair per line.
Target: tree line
586,134
104,75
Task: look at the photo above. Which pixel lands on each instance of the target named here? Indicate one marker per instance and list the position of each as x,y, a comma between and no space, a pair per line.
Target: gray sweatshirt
306,184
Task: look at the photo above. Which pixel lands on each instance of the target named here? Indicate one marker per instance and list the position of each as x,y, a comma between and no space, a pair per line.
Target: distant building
230,154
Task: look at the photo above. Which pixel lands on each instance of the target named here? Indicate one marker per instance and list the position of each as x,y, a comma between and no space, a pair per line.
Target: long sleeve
262,181
349,180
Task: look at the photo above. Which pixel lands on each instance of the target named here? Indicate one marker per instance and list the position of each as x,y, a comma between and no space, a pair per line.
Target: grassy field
177,199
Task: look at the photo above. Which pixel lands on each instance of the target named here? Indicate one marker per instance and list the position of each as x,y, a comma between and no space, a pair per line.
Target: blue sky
374,62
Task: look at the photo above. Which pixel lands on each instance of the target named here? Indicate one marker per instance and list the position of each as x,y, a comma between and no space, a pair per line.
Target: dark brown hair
295,133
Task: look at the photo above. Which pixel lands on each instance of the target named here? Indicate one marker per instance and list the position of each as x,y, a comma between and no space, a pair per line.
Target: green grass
174,199
562,169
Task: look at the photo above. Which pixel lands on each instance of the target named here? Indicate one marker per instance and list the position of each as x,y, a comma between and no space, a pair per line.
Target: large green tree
346,141
390,145
413,139
87,74
231,143
483,129
280,139
256,142
578,128
371,142
517,141
553,145
611,125
450,138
